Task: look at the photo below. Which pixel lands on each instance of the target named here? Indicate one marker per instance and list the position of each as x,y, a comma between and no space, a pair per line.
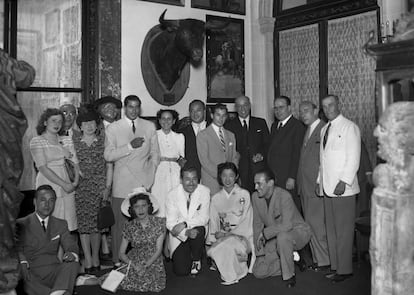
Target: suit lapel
215,137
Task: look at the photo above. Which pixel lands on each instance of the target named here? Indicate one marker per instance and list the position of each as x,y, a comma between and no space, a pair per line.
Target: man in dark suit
252,136
39,237
312,205
197,110
284,150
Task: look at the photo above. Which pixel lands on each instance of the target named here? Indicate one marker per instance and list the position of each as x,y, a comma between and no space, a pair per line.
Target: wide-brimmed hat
136,191
108,99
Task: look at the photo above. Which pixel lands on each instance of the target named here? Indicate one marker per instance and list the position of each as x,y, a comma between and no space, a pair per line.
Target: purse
70,169
114,279
105,217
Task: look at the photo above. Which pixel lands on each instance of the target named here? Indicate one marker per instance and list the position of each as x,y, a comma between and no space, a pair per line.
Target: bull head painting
180,41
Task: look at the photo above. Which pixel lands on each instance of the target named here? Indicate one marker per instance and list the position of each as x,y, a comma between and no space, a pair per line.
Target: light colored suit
312,205
132,167
136,167
176,212
40,249
339,160
211,153
284,230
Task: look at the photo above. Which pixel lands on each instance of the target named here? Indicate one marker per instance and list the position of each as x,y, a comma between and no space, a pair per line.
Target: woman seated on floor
231,226
146,234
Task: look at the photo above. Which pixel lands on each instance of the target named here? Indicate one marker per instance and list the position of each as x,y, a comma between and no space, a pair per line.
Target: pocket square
259,130
199,207
230,143
55,238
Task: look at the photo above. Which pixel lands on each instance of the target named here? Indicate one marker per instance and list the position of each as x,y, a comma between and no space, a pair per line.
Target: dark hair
172,112
218,106
223,166
87,115
131,98
269,175
44,187
49,112
196,101
188,168
133,200
287,99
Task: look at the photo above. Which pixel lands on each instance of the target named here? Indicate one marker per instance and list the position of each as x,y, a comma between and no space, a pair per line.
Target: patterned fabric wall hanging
351,73
299,65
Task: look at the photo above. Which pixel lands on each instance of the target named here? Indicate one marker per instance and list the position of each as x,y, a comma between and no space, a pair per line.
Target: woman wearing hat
145,233
94,186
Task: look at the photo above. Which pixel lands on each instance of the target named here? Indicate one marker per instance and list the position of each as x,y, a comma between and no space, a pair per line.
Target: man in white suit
131,144
215,145
187,211
340,151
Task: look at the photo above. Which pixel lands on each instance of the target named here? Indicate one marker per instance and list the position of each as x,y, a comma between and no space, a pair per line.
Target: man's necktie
279,125
307,135
44,225
221,136
245,125
325,137
133,126
188,201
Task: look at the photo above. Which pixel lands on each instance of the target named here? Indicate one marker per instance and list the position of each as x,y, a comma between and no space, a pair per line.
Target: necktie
133,126
66,133
188,201
325,137
244,125
221,135
44,225
307,135
279,125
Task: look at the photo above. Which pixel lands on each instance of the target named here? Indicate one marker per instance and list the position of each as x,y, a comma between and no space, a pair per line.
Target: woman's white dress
167,175
231,213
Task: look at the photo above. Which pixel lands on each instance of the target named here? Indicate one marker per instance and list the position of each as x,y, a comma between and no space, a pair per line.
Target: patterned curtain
299,65
351,73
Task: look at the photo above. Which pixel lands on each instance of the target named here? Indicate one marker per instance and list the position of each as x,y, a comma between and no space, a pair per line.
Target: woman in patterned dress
145,233
49,151
94,186
172,159
230,226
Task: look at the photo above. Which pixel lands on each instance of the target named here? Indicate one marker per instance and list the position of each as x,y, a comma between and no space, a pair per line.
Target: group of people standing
229,188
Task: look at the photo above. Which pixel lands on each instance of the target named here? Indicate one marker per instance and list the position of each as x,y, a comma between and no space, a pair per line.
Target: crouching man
278,229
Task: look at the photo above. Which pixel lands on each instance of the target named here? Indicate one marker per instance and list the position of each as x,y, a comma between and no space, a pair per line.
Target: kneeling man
278,229
187,211
39,237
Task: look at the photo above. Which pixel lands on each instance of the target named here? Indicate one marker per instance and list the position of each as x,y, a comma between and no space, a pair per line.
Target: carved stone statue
13,124
392,231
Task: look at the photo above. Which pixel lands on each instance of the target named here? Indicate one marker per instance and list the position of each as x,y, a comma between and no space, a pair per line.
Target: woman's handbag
105,217
114,279
70,169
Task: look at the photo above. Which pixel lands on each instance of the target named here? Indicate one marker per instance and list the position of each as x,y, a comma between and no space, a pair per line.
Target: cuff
76,256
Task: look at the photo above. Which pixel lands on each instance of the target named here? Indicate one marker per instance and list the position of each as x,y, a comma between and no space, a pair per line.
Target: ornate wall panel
351,73
299,65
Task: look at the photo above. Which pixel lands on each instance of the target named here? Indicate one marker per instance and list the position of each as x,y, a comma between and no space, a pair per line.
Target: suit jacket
132,167
40,248
190,150
309,163
176,212
281,215
210,152
255,141
284,150
339,160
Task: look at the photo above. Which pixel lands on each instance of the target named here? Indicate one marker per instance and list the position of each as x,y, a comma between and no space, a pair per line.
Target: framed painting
225,59
172,2
230,6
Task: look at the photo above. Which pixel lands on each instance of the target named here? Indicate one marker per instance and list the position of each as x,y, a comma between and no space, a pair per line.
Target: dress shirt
46,220
285,121
247,119
313,126
217,130
197,127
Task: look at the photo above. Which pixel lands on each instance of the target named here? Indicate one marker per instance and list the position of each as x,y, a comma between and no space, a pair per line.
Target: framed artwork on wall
225,59
172,2
230,6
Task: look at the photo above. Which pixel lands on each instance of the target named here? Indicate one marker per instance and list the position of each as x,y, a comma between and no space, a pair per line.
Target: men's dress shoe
290,283
196,267
340,278
330,274
301,264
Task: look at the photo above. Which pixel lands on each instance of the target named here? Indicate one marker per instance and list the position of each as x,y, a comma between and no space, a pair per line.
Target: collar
46,220
247,119
228,195
338,118
313,126
106,123
285,120
130,121
201,125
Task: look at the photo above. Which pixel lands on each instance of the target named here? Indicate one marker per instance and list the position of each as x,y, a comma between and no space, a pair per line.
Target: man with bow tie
39,236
